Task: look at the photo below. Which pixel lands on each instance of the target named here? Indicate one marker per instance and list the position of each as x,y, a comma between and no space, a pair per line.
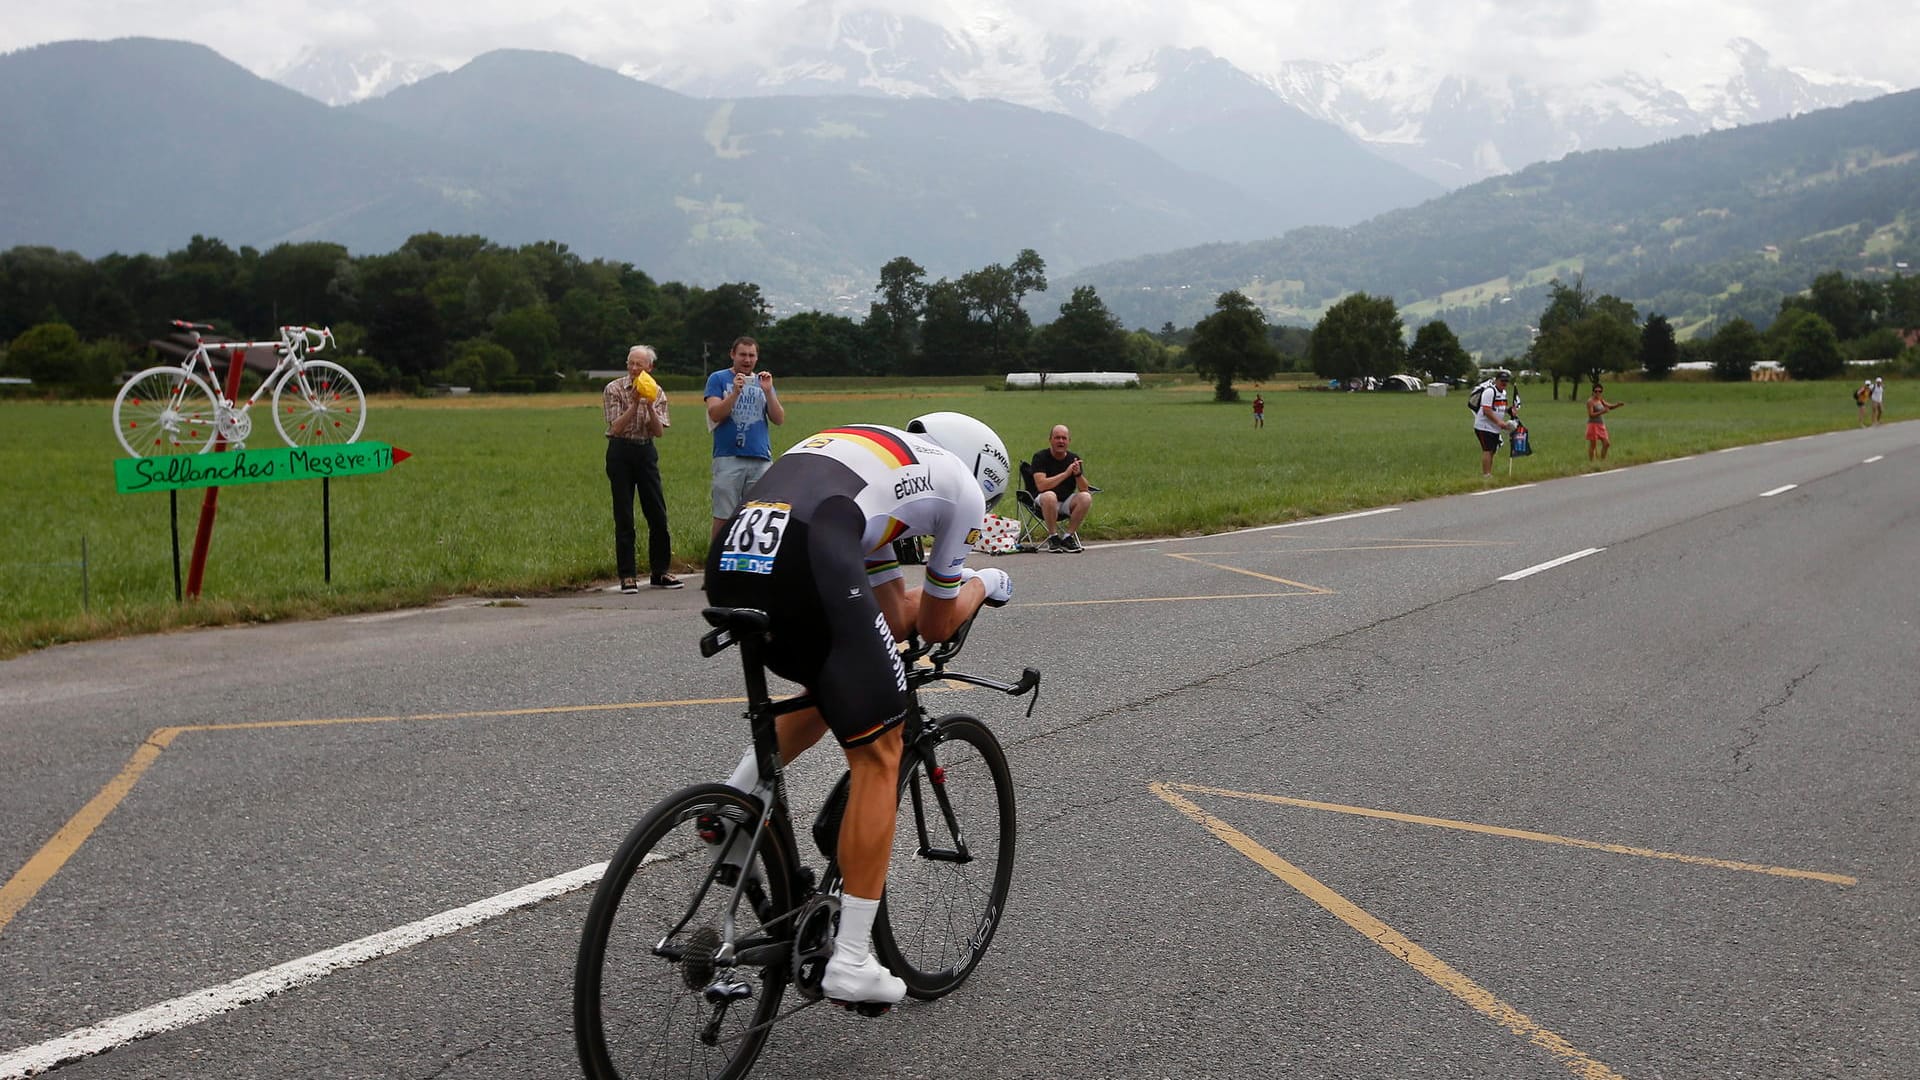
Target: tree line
461,310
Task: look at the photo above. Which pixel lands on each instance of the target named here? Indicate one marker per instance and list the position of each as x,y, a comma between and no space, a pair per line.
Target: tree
1583,336
1734,349
1358,337
894,320
812,343
1145,352
1085,336
1658,350
993,295
47,353
532,335
1806,346
1232,343
1438,352
716,316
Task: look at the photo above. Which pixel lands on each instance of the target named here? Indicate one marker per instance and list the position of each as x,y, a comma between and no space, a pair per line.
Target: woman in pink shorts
1597,409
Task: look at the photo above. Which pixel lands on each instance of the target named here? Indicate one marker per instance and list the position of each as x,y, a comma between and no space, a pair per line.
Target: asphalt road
1330,800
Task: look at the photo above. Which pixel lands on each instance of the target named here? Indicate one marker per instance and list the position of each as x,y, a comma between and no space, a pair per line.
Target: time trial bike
706,914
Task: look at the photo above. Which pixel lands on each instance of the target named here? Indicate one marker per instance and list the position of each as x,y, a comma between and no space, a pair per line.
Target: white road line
1778,491
1873,459
1255,529
1669,461
206,1004
1561,561
1729,449
1498,490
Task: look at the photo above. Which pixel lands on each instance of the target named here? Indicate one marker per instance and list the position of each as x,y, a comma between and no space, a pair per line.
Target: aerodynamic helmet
974,443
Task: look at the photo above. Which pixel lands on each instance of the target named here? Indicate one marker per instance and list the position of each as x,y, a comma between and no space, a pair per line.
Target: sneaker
1071,542
1055,543
629,585
666,581
866,981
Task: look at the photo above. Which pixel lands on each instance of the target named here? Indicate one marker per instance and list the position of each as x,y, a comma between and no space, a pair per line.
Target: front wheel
163,411
653,996
319,404
952,858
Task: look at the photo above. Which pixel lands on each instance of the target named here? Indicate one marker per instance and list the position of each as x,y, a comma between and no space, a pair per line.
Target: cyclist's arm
939,617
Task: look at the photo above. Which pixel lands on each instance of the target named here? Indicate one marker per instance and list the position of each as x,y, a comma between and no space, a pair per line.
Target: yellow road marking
1311,589
1525,834
1397,945
54,854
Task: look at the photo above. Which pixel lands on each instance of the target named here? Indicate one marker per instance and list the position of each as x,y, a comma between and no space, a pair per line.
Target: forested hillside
1705,227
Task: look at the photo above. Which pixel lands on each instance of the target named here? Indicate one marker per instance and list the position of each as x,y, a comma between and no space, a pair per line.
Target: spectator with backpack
1861,395
1494,405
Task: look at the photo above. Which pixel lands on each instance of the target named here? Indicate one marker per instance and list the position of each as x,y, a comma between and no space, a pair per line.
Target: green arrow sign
254,466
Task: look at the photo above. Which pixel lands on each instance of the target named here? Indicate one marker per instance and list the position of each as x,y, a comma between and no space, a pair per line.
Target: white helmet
974,443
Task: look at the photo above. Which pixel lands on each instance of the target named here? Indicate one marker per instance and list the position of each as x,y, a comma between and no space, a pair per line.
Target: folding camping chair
1033,527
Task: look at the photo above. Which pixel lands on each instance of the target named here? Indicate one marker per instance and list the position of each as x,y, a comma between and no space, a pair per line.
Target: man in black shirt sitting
1060,484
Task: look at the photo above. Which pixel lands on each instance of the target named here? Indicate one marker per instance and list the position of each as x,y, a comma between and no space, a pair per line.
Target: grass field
507,496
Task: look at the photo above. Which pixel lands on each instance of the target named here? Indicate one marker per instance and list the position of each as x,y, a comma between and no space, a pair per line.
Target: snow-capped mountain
337,77
1451,128
1461,128
1454,128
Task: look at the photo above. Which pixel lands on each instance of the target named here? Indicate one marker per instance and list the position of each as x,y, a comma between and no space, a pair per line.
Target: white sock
856,927
746,775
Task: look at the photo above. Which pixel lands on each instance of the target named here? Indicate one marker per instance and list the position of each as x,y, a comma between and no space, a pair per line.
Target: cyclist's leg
861,691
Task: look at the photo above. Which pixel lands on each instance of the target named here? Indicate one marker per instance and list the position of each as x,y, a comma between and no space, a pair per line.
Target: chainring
813,929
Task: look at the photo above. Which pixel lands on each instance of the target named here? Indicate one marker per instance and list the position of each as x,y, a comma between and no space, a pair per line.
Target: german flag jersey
905,485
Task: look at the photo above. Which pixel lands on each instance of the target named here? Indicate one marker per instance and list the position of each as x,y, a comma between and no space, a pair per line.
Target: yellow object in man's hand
645,387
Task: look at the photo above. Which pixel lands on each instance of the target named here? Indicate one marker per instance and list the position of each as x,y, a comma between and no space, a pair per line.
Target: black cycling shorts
828,633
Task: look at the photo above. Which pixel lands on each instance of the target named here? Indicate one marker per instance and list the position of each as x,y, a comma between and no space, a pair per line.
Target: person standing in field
1879,392
1597,409
1862,396
636,414
1259,411
1495,415
740,404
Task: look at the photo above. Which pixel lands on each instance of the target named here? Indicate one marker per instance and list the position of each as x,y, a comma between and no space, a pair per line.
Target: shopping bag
1520,445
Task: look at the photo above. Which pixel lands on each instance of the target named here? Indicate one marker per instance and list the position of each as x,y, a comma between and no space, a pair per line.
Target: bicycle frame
293,346
748,629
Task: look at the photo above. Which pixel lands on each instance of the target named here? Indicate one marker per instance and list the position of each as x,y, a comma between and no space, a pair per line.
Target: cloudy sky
1545,40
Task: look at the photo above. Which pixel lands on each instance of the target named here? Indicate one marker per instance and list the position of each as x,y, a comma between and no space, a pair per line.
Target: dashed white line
1729,450
1782,489
206,1004
1498,490
1561,561
1873,459
1669,461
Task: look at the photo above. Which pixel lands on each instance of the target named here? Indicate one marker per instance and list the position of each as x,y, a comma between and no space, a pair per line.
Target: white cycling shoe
865,981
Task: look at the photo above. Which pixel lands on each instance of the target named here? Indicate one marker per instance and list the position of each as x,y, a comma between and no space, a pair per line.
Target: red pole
203,537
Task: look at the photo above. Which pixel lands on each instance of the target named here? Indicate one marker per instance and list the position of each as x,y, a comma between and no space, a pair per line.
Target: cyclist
813,547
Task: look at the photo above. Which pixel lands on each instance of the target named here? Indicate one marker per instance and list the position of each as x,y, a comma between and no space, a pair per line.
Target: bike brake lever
1029,684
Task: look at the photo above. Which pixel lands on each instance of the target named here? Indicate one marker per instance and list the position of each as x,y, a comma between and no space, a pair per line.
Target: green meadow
506,496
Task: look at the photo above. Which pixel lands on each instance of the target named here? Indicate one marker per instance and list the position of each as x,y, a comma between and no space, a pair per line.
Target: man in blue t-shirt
739,405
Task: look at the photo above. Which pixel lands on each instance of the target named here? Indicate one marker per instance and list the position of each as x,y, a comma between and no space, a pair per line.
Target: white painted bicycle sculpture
175,409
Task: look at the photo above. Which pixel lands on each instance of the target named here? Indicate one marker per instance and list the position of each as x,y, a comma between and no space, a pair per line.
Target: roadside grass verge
507,495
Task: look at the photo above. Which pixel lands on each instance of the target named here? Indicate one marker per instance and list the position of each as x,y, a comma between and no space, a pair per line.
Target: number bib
754,538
